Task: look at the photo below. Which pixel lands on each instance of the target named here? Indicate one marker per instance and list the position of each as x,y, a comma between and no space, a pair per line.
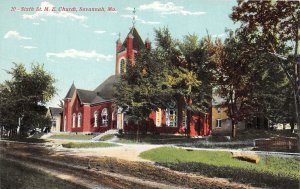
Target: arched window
171,114
122,66
65,122
96,119
74,120
158,118
79,120
104,117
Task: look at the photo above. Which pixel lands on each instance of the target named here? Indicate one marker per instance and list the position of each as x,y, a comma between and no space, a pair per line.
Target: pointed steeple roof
71,91
138,43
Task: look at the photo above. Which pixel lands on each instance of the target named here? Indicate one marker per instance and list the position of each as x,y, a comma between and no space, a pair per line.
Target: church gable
71,91
89,97
138,43
105,89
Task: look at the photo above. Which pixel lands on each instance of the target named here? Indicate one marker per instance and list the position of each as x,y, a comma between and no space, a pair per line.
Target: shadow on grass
27,140
14,175
238,175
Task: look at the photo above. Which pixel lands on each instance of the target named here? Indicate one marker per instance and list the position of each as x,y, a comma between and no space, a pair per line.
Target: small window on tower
122,66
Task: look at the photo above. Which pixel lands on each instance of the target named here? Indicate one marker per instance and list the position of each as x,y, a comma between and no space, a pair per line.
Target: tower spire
133,18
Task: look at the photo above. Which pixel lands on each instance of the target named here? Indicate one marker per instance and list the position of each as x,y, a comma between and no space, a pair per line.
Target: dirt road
107,171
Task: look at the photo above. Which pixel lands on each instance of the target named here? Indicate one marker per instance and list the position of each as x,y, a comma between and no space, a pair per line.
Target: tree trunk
297,73
137,133
292,124
233,128
188,118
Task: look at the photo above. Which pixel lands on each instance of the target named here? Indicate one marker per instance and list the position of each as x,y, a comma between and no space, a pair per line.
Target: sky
79,46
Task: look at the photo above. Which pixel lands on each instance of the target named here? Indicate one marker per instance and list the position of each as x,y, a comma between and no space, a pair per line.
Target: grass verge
271,171
107,137
28,140
72,136
88,145
154,139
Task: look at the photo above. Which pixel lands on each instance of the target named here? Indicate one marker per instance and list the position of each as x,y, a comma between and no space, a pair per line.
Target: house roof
105,89
54,111
89,97
138,43
71,91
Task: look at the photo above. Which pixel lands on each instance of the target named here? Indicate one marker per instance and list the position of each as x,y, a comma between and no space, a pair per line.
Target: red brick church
92,111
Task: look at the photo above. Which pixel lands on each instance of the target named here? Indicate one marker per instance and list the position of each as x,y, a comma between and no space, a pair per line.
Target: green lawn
88,145
72,136
285,167
107,137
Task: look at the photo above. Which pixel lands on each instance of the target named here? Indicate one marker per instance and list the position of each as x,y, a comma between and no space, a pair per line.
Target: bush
87,145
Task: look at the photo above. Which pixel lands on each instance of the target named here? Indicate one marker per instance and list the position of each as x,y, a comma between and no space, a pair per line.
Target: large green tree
23,98
249,81
174,69
274,26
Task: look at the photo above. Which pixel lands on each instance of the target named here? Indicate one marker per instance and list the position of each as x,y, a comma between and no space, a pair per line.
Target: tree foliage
173,70
24,97
272,28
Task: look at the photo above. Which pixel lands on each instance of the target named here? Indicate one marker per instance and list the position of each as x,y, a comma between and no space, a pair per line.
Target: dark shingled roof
89,97
71,91
105,89
138,43
55,111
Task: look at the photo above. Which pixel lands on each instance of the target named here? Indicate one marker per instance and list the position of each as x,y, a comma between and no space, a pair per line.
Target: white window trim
168,123
79,120
104,112
120,118
96,119
74,120
158,120
218,123
65,122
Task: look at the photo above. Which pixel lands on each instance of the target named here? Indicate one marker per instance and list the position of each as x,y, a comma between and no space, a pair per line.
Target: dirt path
59,174
112,172
129,152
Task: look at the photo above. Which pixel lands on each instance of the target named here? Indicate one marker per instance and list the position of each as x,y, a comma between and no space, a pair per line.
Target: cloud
50,13
113,33
28,47
129,8
219,35
167,8
99,31
43,20
84,55
16,35
36,23
140,20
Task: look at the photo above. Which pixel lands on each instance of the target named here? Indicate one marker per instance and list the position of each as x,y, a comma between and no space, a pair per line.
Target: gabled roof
54,111
71,91
89,97
105,89
138,43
